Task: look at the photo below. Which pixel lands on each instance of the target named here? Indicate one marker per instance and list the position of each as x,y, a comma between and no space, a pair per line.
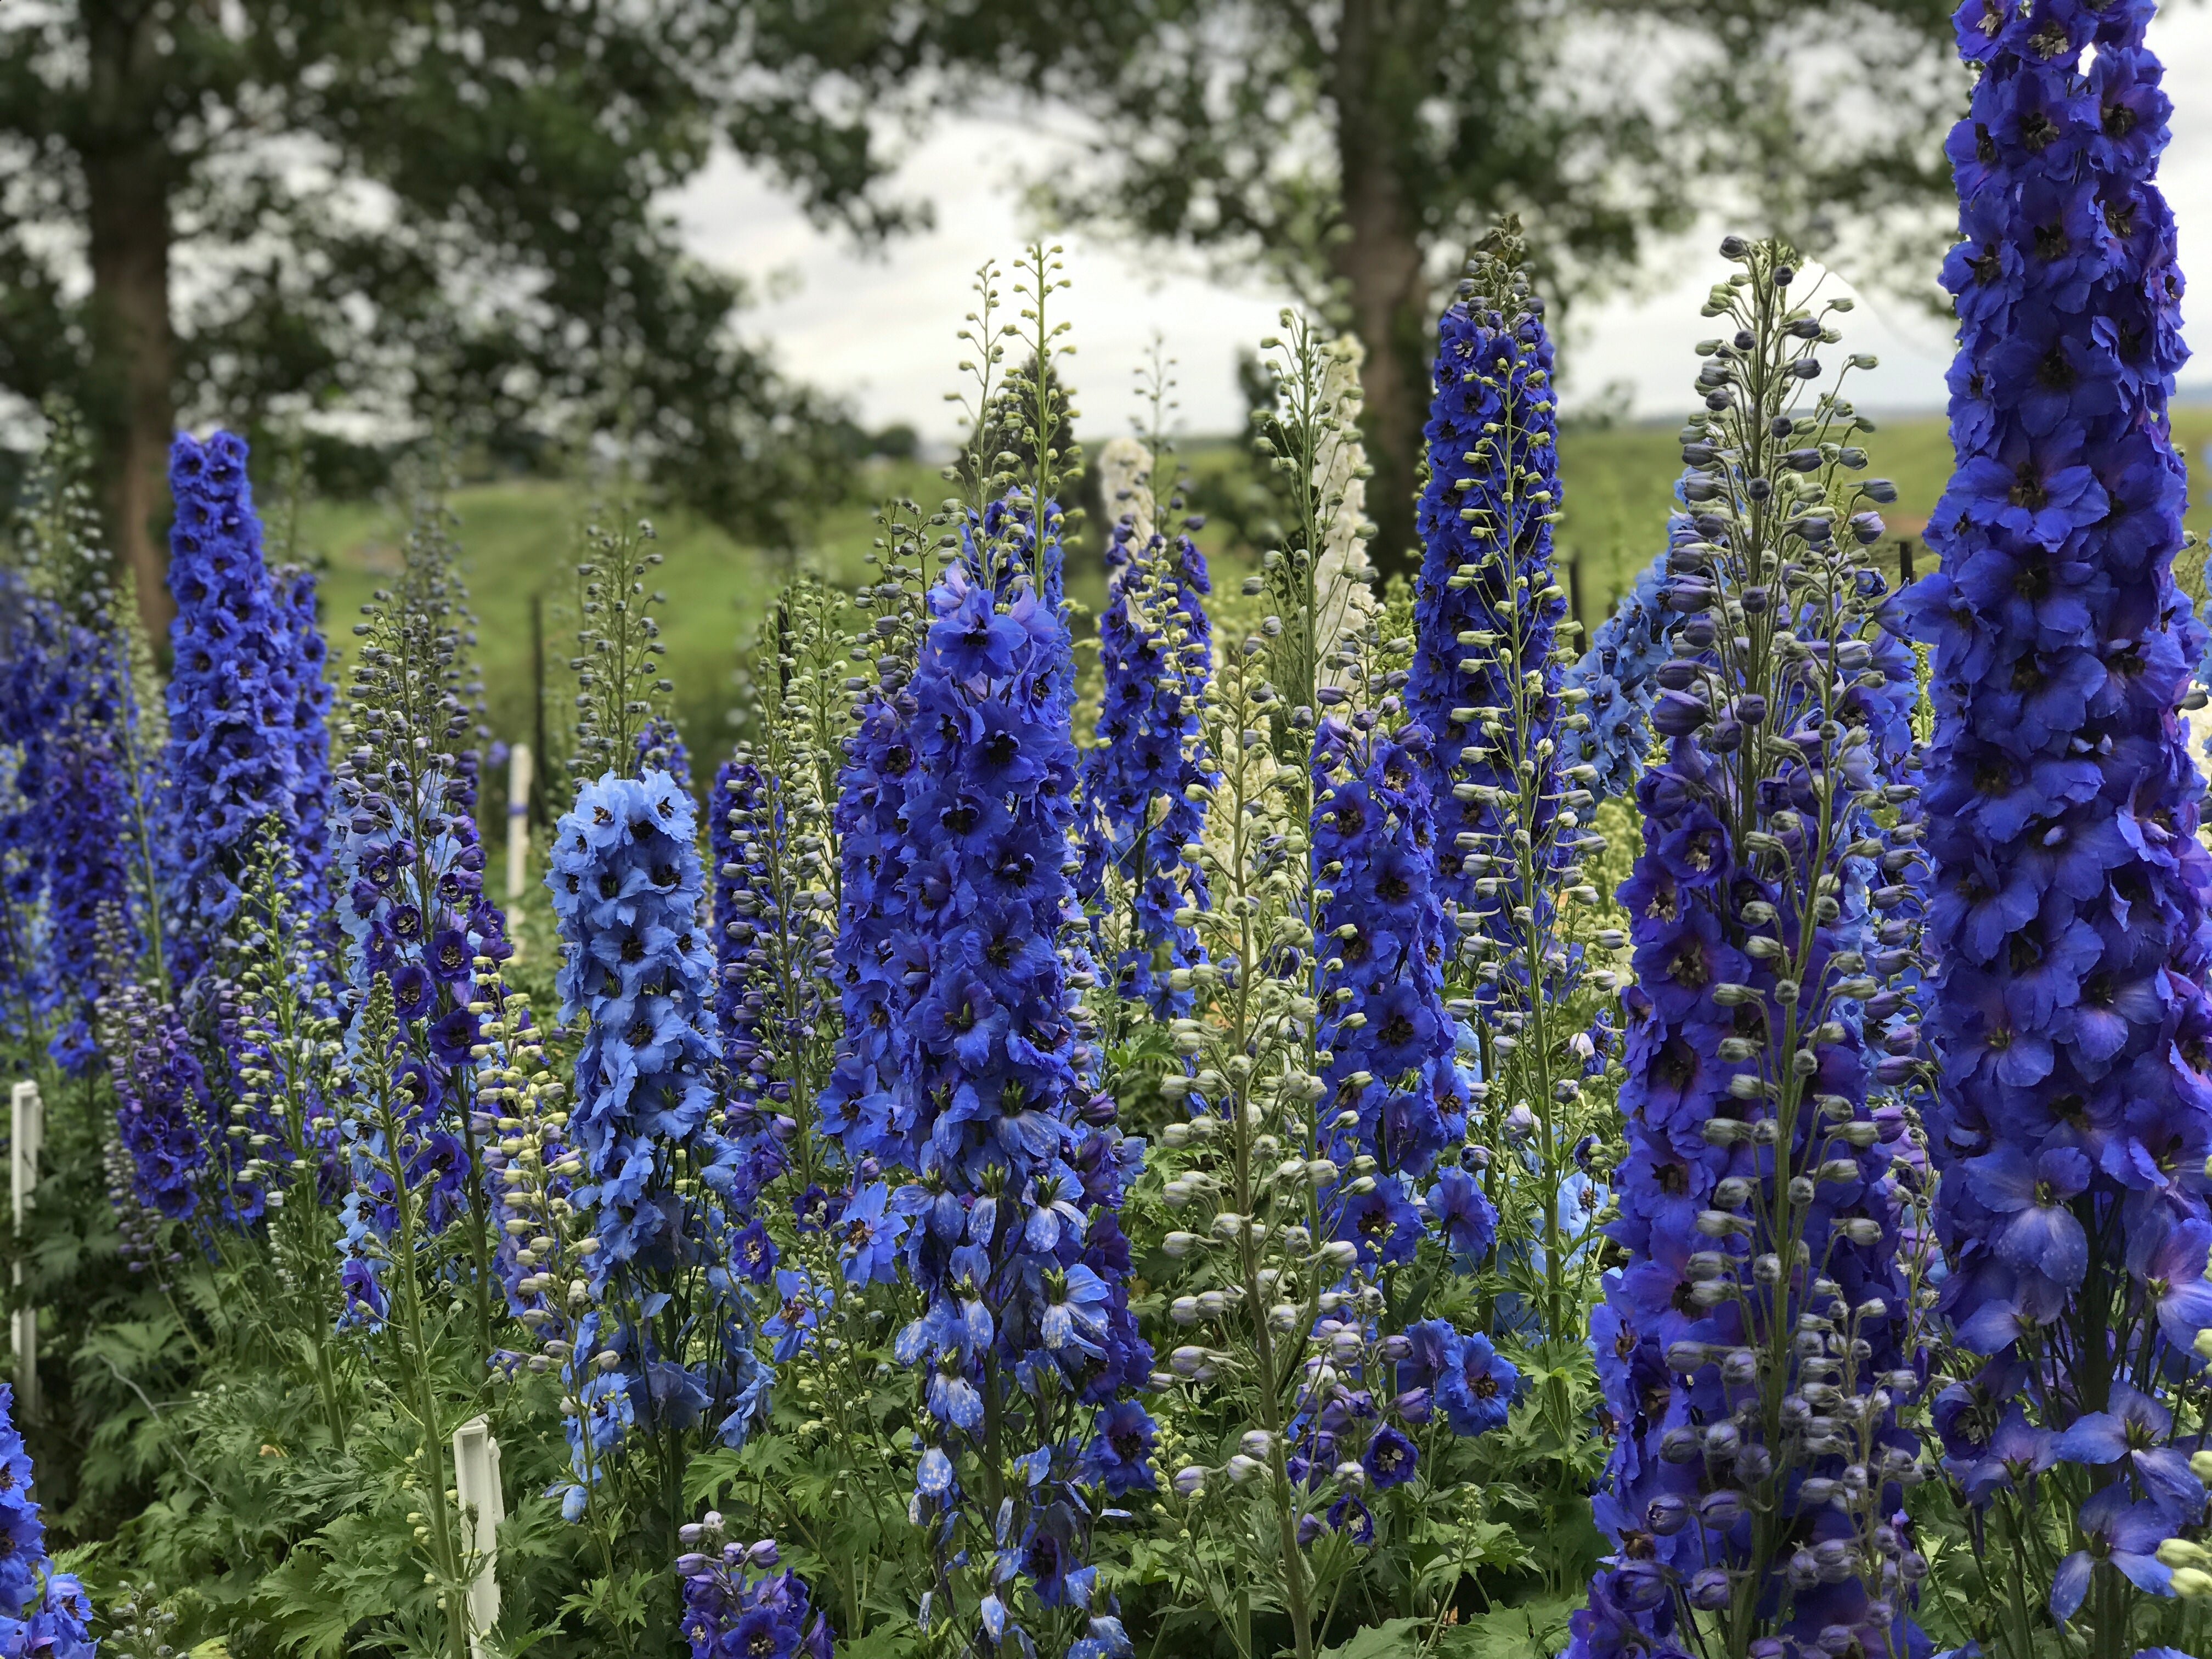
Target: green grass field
519,538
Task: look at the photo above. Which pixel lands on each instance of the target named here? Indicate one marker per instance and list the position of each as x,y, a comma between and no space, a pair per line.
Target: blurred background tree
431,217
1355,149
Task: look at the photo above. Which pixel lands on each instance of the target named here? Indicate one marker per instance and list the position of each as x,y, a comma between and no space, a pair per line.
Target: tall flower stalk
1486,682
1156,649
1752,1350
2067,920
242,719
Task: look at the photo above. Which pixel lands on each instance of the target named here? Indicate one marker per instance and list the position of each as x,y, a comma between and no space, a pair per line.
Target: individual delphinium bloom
2067,920
1491,641
41,1611
1752,1349
234,756
736,1602
1156,651
1615,676
656,1176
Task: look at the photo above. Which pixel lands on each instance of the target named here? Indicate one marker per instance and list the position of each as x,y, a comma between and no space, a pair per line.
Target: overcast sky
880,328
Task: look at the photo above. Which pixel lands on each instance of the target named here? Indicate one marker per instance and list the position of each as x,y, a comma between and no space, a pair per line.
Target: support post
519,777
484,1506
26,1133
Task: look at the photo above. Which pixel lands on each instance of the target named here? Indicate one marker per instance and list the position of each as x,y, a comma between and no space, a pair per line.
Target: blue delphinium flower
1615,677
771,939
1155,648
84,820
1750,1141
301,681
236,695
1394,1045
41,1611
625,882
867,1107
1013,1244
2068,910
658,1177
1487,610
736,1605
1488,652
660,748
162,1102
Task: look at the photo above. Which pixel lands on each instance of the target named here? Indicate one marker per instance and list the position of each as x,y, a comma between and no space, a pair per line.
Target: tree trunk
1380,262
131,401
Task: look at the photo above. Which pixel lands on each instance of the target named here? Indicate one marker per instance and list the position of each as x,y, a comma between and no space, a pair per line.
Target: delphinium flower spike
1752,1349
2068,921
410,868
1156,650
775,894
656,1174
1011,1233
735,1603
1490,644
235,709
867,1104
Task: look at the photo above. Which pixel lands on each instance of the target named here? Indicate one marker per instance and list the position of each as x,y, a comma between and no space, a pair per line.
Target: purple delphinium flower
775,950
235,696
2072,1113
1490,643
1155,649
301,682
867,1106
1750,1141
1394,1044
1485,522
1012,1244
736,1605
41,1611
162,1103
84,819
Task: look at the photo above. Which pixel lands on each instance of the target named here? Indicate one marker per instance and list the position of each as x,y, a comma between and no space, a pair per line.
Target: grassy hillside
519,539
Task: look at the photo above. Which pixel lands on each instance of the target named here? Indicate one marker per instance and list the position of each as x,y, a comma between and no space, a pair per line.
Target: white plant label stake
26,1132
484,1506
518,839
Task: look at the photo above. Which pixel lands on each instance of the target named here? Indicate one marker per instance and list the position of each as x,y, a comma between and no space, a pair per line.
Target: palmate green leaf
1526,1631
314,1624
1395,1638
